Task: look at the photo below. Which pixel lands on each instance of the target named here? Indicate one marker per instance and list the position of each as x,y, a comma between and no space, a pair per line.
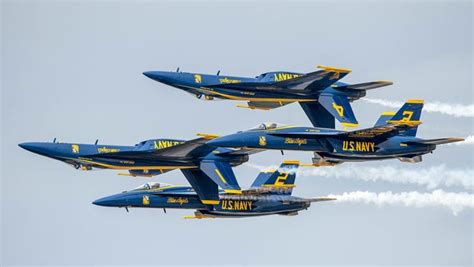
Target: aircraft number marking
407,115
339,109
280,180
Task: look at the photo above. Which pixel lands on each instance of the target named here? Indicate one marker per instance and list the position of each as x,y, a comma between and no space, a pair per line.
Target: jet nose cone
157,75
105,202
119,200
149,74
165,77
32,147
23,145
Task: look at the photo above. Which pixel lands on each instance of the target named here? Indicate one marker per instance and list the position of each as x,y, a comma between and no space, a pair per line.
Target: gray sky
72,70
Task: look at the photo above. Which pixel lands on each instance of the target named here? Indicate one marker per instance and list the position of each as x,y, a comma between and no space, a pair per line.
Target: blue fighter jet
150,157
321,95
269,194
393,136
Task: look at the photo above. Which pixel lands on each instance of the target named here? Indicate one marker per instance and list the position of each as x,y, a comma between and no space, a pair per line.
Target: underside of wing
365,86
315,81
192,148
310,82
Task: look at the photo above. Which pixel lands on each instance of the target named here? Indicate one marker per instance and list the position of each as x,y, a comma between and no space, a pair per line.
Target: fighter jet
321,95
393,136
150,157
269,194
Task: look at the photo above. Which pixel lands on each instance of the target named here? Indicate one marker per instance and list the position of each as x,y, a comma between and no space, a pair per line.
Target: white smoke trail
457,202
432,177
456,110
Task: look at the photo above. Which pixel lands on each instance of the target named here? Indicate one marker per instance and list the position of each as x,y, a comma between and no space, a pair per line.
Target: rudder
282,178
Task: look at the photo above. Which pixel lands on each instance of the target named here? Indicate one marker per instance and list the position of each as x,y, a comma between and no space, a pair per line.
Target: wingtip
207,135
335,69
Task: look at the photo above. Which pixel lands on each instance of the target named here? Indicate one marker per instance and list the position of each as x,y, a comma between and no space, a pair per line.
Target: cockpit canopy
149,186
267,126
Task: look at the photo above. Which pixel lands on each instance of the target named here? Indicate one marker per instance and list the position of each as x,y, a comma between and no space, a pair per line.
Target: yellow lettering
357,146
351,145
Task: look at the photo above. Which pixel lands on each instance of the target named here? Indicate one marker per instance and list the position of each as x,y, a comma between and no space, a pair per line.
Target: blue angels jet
321,95
269,194
393,136
150,157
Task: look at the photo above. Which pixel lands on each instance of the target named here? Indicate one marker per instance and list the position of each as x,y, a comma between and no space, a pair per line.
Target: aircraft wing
365,86
438,141
307,134
313,81
379,131
193,148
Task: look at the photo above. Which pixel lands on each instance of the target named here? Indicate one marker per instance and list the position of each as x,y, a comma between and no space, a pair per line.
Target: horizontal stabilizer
438,141
222,174
364,86
340,108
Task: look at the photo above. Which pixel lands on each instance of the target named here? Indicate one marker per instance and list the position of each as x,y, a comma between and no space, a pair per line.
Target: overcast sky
73,70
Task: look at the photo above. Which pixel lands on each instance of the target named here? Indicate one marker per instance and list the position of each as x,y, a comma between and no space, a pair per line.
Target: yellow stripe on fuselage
210,202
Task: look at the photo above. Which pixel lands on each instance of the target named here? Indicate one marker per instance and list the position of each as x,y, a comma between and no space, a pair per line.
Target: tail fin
384,118
409,112
280,181
340,108
318,115
222,174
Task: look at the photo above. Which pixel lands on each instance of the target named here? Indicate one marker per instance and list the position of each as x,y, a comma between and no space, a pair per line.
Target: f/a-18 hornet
269,194
321,95
150,157
393,136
